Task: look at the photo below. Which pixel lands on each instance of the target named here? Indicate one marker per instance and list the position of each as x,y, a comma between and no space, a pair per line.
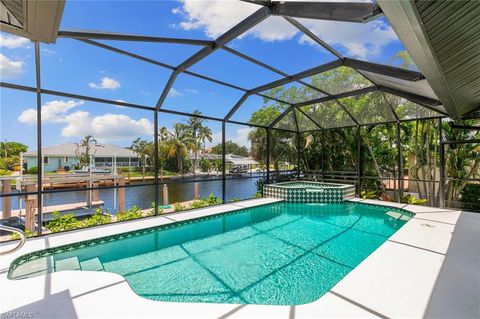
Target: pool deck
429,268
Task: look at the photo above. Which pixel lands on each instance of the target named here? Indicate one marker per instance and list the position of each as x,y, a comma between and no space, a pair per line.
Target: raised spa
309,192
277,254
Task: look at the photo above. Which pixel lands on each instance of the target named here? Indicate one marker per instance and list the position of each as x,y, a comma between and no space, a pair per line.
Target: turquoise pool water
277,254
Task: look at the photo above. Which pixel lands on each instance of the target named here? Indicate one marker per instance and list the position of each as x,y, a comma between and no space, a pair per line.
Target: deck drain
427,225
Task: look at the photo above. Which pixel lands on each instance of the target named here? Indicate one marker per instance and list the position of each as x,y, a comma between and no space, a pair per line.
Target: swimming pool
277,254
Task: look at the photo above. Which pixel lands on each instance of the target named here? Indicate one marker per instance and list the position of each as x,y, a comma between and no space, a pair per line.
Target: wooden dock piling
6,201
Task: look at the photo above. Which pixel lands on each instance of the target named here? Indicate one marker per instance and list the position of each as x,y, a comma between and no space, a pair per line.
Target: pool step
397,215
93,264
71,263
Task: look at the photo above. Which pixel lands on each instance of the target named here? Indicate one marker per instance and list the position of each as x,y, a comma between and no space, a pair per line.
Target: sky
76,67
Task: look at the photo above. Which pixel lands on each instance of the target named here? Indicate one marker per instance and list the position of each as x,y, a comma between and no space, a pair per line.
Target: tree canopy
230,148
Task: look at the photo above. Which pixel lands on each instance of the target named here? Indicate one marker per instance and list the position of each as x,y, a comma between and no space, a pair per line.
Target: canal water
142,196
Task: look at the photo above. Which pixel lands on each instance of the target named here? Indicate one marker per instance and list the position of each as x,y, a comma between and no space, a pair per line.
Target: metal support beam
155,159
245,25
441,186
125,104
323,154
299,155
298,76
338,96
268,155
161,64
224,168
39,140
297,135
390,106
166,89
281,116
310,118
236,106
129,37
313,36
422,100
359,162
126,53
387,70
333,11
399,164
254,61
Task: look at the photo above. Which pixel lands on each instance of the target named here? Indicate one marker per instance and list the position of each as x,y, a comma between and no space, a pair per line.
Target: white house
67,156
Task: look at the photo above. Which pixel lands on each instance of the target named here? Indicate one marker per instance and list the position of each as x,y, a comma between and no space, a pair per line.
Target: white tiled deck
429,268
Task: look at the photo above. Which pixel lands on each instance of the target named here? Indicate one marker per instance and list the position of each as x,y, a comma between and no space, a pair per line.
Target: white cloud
52,112
215,17
216,139
274,29
10,68
106,127
359,40
192,91
48,51
174,93
12,42
105,83
241,137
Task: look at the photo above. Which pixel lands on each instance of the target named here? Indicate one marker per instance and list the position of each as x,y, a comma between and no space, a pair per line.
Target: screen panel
368,108
339,80
328,114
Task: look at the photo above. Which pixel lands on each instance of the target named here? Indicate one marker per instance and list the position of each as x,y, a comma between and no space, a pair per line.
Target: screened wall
210,117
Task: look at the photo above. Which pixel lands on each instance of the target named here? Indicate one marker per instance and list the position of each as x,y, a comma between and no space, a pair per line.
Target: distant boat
84,170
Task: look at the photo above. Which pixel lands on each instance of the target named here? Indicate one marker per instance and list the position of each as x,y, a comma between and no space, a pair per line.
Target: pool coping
336,185
415,254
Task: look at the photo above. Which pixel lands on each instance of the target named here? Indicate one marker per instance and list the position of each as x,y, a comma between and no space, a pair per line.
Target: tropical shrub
151,212
10,163
5,172
32,170
98,218
471,196
28,234
62,222
199,203
369,194
178,207
205,165
212,200
259,184
234,199
132,213
411,199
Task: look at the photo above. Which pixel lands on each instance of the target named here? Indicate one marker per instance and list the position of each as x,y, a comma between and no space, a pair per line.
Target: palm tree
84,149
205,134
198,134
179,143
143,149
164,137
163,134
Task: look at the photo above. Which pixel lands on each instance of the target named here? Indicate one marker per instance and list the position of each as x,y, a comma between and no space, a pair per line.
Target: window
66,159
45,160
